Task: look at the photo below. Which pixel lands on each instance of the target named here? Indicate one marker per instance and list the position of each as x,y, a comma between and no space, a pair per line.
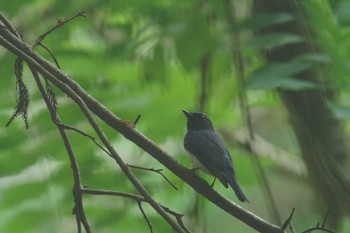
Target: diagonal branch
8,25
67,85
119,161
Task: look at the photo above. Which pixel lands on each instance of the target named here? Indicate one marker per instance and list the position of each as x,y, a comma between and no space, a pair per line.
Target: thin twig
137,119
320,228
60,22
145,216
288,220
325,219
317,228
159,171
85,135
113,193
178,218
291,228
51,54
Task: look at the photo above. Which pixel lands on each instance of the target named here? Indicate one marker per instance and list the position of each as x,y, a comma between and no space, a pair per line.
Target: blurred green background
149,58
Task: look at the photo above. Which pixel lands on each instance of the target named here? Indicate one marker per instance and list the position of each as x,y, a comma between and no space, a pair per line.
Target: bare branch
67,85
78,202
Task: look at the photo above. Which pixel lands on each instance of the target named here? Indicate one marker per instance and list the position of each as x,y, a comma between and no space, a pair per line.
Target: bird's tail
238,191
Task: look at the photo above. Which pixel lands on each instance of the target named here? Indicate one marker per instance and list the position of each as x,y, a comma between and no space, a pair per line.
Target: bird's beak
187,113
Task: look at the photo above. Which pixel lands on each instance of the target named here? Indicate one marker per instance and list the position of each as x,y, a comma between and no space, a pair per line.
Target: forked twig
78,202
60,23
320,228
51,54
159,171
138,199
288,221
85,135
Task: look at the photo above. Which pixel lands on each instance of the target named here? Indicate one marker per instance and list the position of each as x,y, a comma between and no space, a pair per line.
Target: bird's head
197,121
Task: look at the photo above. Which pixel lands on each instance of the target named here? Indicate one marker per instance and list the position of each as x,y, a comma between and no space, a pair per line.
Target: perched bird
208,151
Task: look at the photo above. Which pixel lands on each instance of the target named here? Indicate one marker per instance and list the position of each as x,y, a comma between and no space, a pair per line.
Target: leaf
272,40
283,82
194,40
315,57
280,75
340,112
342,13
259,21
155,67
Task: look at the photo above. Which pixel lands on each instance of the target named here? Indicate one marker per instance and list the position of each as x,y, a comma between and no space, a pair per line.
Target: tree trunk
321,136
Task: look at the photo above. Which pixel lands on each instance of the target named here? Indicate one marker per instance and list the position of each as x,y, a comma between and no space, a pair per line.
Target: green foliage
340,112
272,40
260,21
330,36
143,57
279,75
342,13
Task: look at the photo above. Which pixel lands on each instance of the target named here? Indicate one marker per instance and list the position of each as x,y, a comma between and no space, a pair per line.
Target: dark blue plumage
209,151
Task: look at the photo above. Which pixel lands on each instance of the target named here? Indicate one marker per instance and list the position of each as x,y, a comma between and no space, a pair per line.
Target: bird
208,151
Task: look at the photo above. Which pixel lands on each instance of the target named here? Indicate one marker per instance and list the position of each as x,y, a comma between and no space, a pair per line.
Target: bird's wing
211,151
